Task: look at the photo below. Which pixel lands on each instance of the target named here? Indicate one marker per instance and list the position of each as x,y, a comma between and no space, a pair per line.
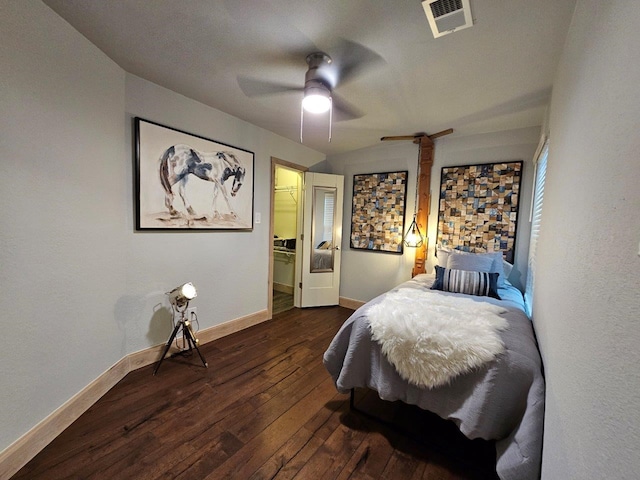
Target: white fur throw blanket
431,338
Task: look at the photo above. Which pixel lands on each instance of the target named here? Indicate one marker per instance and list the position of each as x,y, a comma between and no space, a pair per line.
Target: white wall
367,274
80,288
229,268
64,198
587,290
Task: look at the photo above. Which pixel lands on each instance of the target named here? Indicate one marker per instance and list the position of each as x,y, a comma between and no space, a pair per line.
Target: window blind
328,216
536,220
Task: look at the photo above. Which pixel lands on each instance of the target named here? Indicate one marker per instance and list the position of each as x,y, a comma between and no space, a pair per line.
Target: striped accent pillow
467,282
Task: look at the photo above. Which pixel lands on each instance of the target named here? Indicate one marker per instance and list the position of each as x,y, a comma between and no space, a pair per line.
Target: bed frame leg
435,446
352,404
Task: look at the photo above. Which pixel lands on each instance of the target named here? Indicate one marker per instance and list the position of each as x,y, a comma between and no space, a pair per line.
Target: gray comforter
501,401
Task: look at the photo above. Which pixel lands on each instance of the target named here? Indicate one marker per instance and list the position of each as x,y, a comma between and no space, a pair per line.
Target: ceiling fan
416,137
324,74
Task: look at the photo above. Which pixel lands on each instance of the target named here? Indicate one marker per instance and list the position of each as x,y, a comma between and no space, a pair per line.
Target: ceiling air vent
447,16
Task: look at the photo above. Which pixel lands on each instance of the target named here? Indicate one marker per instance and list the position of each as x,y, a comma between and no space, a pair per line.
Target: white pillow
478,262
507,267
442,255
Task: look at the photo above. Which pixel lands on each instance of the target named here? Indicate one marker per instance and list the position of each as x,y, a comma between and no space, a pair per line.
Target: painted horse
178,162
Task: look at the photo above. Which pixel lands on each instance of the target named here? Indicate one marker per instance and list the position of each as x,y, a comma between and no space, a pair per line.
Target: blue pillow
467,282
478,262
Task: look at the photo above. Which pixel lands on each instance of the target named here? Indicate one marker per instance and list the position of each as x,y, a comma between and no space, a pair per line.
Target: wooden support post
424,200
425,162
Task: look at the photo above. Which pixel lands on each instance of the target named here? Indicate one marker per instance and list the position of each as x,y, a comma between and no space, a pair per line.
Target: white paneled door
321,239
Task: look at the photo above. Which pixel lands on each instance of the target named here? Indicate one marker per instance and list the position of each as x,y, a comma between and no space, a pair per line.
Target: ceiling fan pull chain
330,116
301,121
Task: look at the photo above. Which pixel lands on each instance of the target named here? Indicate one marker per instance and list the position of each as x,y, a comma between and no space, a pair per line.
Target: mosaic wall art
478,207
377,219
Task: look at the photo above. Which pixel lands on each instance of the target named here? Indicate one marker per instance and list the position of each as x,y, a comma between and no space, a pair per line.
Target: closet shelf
284,251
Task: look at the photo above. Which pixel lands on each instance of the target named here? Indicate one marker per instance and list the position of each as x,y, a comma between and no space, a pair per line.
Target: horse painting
178,162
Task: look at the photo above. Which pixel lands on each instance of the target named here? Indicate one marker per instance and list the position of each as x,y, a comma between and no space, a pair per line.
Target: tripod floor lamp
179,298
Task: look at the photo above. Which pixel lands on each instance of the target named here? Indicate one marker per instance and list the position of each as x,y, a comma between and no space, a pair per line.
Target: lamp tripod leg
193,343
167,346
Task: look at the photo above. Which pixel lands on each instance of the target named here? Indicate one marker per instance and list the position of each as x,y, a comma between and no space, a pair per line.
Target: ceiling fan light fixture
317,99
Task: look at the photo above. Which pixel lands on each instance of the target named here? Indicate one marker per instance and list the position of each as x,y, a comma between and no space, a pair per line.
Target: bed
322,259
500,400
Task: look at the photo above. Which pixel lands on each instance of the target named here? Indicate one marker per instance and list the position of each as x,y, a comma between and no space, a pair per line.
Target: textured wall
587,297
366,274
229,268
64,195
80,288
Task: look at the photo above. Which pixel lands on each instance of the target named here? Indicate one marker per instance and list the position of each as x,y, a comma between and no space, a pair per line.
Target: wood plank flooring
282,301
264,409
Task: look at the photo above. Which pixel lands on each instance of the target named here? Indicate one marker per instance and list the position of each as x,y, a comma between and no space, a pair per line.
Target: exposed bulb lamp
179,298
413,236
181,295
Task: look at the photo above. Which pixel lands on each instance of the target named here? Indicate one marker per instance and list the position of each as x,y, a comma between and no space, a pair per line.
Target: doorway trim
293,166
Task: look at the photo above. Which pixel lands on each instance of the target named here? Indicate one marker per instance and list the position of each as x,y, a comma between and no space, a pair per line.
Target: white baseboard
18,454
350,303
222,330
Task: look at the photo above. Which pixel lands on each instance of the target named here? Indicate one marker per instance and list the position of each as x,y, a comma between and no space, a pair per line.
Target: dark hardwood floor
282,301
265,408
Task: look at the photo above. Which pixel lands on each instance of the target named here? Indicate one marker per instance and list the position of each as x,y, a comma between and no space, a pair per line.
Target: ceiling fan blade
252,87
399,137
350,60
343,110
440,134
417,135
353,59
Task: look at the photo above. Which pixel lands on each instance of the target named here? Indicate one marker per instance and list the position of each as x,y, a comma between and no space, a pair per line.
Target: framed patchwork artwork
478,207
377,219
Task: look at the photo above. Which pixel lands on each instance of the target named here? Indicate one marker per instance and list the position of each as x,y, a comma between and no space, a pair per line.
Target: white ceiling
496,75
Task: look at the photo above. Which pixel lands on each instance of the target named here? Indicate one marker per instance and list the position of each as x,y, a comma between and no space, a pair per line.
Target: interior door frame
293,166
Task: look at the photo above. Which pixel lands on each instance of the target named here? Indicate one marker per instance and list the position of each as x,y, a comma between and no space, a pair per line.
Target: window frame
535,217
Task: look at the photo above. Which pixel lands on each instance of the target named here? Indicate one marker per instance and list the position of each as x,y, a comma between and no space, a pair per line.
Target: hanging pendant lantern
413,236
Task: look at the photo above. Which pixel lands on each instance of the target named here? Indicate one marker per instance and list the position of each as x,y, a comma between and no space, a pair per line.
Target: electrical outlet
192,313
